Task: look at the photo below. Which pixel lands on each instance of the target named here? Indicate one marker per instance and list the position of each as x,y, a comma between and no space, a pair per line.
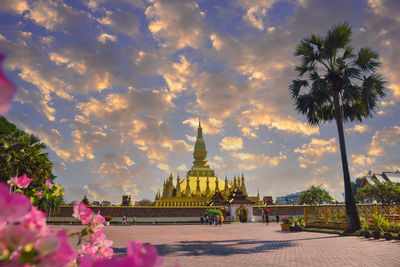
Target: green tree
385,193
105,203
315,195
340,85
355,186
22,153
85,201
146,202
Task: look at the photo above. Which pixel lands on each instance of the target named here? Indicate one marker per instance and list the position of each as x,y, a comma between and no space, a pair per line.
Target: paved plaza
254,244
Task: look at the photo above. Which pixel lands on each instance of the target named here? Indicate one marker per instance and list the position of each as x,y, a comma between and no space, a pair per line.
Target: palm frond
296,86
338,37
367,59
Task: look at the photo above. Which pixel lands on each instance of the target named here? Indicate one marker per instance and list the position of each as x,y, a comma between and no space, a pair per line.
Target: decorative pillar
188,192
178,187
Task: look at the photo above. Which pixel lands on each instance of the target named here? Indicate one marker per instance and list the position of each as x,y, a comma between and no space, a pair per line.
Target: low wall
178,212
138,212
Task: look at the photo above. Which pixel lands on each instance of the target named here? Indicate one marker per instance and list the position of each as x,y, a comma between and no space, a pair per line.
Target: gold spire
178,186
200,152
208,191
216,185
188,192
226,187
198,191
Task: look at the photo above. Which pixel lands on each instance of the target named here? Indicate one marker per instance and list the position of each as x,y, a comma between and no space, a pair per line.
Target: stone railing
334,216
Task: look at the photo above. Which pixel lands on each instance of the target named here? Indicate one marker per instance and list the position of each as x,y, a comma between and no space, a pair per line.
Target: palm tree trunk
353,221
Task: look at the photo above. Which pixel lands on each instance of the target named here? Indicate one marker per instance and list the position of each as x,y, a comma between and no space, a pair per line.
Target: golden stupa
200,183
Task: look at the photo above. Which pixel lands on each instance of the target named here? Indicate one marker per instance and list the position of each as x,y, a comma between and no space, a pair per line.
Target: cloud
210,126
387,136
123,21
386,8
119,108
14,6
219,95
362,160
177,74
104,37
176,24
315,150
231,143
54,14
256,11
358,128
254,161
258,115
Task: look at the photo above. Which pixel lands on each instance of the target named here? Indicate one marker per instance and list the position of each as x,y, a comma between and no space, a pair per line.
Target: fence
334,216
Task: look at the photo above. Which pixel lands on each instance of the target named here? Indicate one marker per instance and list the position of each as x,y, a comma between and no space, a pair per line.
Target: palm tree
340,85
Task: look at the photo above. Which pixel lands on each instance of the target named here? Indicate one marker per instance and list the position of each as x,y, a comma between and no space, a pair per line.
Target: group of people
126,221
210,220
267,211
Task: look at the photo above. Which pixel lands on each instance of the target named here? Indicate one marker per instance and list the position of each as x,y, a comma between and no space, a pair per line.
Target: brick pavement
255,244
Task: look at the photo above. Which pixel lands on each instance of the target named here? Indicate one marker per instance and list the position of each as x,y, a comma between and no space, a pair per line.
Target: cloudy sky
114,88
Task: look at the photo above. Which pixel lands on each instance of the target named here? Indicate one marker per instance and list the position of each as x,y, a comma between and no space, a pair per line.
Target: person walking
267,211
134,220
123,219
220,220
201,220
277,218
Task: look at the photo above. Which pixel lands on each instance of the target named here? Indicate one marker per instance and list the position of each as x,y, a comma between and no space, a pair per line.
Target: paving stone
254,244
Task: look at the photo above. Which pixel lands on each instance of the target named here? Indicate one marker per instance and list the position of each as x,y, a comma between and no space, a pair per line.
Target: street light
294,202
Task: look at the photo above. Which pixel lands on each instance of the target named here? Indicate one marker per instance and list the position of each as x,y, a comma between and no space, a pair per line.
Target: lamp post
294,202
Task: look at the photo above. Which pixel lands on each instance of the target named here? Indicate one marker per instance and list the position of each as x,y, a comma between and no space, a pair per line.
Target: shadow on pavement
222,248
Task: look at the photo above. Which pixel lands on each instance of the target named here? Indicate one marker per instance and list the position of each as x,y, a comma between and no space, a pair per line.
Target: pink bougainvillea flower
48,183
36,221
13,181
16,237
12,206
24,181
64,254
97,236
7,90
97,222
89,250
82,213
38,193
143,255
47,245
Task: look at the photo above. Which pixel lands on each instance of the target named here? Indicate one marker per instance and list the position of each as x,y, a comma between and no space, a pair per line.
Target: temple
201,185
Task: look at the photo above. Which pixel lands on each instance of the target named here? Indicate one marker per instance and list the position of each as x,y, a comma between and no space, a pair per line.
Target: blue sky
114,88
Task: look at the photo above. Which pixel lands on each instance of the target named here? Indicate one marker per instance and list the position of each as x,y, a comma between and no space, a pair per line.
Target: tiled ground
255,244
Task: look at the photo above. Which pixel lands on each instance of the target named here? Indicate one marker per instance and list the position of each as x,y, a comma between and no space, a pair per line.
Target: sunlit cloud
231,143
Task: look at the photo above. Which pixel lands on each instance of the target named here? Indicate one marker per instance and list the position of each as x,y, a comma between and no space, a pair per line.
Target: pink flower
82,213
97,236
12,206
64,254
16,237
21,182
38,193
7,90
97,222
49,184
13,181
36,221
89,250
143,255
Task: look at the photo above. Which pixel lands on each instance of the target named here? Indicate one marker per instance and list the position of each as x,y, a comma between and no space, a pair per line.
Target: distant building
95,203
268,200
126,200
289,199
372,178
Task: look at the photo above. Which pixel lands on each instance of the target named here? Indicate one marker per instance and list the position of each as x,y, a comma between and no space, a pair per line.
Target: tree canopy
386,193
315,195
22,153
